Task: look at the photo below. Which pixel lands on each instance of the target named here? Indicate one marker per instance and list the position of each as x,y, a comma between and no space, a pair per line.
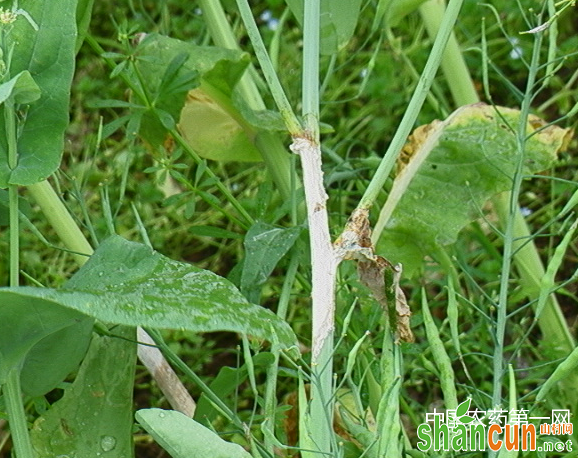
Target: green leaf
173,67
463,408
455,166
183,437
128,283
265,245
266,120
338,19
21,88
94,417
26,322
83,15
222,68
214,120
48,54
54,357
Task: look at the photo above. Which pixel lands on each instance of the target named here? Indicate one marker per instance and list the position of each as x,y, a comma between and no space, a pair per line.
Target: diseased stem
323,259
324,268
319,434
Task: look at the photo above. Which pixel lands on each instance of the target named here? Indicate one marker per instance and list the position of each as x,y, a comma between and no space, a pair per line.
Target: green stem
414,107
310,74
10,130
59,218
387,419
14,235
271,400
223,36
17,415
273,369
509,234
12,391
453,64
291,121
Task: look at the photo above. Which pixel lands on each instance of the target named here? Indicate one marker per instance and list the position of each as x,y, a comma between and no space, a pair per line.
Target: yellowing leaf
213,128
452,168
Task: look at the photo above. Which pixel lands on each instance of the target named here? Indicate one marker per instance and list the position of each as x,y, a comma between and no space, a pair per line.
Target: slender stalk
556,334
10,130
509,235
14,268
273,82
414,107
462,87
273,369
271,400
17,415
223,36
61,220
12,391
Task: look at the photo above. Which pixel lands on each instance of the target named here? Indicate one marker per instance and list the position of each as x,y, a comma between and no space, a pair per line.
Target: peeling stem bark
324,262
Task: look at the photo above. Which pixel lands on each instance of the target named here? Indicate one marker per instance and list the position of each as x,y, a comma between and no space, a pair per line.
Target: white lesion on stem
166,378
324,261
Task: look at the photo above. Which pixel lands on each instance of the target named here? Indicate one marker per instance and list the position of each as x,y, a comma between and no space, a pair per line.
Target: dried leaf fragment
376,272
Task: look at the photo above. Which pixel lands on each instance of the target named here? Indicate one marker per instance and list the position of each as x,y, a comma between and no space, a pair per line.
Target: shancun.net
480,430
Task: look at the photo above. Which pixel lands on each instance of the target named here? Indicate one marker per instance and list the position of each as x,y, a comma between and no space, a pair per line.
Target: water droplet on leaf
107,443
